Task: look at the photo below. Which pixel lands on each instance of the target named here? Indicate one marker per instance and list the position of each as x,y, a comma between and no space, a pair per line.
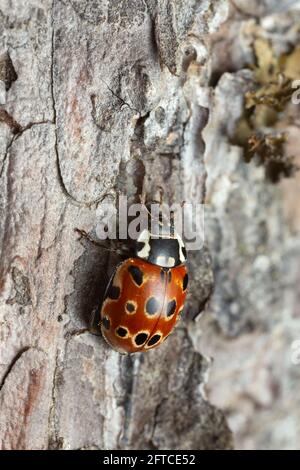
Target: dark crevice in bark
127,368
14,126
8,73
12,364
53,440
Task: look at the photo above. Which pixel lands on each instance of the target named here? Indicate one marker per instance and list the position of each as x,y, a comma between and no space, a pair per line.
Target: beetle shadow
91,272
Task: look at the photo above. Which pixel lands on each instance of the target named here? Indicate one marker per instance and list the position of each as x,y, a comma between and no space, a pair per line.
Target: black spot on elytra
185,282
141,338
152,306
113,292
153,340
106,323
171,307
170,276
122,332
136,274
130,307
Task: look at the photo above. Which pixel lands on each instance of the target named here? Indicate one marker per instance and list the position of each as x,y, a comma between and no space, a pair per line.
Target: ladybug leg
161,194
144,204
143,198
84,235
94,323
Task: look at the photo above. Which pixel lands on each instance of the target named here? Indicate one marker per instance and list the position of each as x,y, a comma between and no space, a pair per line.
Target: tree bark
94,96
251,326
105,98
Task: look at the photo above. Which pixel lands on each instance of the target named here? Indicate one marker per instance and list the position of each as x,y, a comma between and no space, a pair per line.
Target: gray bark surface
100,98
251,326
95,95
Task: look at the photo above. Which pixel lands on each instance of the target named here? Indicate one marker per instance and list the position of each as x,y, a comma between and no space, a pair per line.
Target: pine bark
94,96
101,98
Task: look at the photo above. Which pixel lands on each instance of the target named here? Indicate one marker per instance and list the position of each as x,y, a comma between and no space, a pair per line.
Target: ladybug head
165,250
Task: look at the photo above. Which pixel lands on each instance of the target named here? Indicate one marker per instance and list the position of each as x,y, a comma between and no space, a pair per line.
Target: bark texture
94,96
252,325
99,98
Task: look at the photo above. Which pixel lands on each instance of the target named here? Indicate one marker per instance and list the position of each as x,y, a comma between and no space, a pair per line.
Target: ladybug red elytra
146,294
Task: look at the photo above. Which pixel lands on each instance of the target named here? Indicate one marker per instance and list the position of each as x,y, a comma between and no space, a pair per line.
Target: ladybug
145,295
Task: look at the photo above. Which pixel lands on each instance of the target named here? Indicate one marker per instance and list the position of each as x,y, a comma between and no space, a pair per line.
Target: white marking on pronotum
166,262
144,238
181,246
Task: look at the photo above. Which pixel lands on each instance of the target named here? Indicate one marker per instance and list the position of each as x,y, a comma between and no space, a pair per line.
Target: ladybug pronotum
146,294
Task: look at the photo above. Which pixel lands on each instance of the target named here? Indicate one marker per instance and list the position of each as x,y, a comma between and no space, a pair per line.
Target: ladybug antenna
162,217
84,234
144,203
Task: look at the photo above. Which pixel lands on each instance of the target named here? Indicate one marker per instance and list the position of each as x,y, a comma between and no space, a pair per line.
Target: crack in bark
127,371
16,136
5,117
12,364
52,431
8,147
65,191
8,75
57,237
155,420
59,171
69,196
60,177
